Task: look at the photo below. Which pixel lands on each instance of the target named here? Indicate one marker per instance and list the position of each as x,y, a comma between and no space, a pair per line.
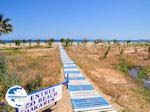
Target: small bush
68,42
17,42
84,41
123,66
34,84
142,74
38,42
121,50
97,41
50,42
8,81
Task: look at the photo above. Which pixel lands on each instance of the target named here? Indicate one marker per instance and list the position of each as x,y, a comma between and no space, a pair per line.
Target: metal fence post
67,80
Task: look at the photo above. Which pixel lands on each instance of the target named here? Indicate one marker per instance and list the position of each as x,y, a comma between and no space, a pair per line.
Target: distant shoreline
75,40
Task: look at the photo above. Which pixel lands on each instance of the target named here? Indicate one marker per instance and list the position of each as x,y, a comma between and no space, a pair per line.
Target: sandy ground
107,97
118,88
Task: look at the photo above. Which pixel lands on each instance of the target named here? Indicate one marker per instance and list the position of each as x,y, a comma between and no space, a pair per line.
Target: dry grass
119,86
36,62
35,69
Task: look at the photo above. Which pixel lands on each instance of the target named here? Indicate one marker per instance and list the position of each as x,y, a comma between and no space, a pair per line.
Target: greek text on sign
42,99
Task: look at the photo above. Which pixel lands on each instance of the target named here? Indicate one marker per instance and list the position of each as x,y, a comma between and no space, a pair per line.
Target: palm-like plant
5,26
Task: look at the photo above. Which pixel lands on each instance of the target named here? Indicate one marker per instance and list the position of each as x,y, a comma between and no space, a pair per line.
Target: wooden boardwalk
84,97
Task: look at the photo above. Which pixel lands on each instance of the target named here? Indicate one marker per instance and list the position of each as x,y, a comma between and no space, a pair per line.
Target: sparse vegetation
119,86
121,50
2,42
38,42
7,79
143,74
128,42
135,49
97,41
62,40
68,42
84,42
29,42
50,42
106,52
17,42
115,41
37,69
106,73
124,66
34,84
148,52
24,41
144,92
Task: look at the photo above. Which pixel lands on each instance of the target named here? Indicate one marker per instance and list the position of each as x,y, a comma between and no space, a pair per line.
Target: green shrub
68,42
2,65
8,80
123,66
142,74
50,42
62,40
34,84
17,42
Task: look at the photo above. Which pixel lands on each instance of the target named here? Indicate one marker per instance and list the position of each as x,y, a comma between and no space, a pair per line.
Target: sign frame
62,83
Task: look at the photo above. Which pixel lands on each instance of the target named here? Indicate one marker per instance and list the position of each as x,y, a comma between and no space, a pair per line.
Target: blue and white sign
16,96
42,98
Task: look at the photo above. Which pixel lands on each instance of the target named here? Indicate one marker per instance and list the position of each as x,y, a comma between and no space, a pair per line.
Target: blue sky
105,19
